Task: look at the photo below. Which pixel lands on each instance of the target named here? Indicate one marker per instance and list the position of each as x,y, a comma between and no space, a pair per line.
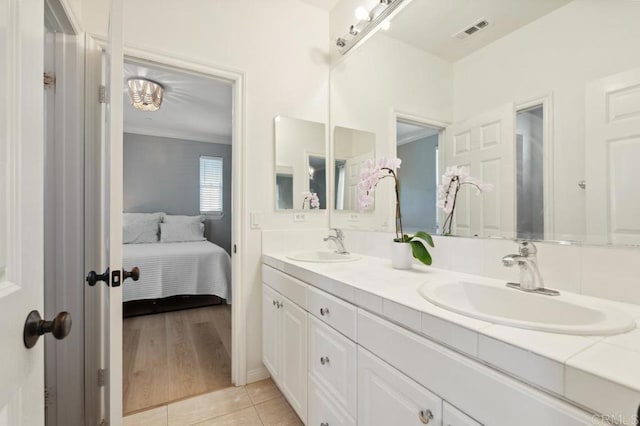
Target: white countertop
597,372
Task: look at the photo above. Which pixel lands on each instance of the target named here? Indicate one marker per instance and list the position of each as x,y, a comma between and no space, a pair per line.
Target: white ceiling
322,4
406,132
429,24
194,107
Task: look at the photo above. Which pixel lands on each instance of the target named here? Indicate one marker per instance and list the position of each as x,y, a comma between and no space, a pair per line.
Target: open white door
104,207
485,144
21,211
612,155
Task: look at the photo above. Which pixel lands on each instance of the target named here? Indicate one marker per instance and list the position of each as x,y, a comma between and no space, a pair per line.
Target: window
211,185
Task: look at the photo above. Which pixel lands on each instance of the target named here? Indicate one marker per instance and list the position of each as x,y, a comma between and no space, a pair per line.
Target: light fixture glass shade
144,94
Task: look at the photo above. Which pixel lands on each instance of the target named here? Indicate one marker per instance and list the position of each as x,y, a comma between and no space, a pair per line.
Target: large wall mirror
300,164
540,99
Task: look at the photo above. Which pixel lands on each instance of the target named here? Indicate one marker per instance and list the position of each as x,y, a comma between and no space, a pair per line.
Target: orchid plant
371,174
453,179
312,198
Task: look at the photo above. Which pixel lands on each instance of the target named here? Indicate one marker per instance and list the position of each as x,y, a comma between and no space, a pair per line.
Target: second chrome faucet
530,277
339,240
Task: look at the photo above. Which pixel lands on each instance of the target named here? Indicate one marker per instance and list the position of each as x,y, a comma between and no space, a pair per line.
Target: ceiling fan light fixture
145,95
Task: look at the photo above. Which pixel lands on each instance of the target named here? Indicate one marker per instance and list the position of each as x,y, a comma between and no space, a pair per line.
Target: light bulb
362,14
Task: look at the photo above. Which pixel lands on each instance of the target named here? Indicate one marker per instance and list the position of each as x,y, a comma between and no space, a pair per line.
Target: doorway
177,222
417,145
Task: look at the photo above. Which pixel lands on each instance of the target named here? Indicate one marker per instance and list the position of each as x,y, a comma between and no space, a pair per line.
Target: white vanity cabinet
388,397
340,365
284,346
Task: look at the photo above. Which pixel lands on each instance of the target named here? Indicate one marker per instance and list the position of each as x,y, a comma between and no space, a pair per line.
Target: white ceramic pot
401,255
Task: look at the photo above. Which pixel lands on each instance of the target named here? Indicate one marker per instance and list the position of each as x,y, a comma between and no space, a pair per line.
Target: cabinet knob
425,416
324,360
324,424
324,311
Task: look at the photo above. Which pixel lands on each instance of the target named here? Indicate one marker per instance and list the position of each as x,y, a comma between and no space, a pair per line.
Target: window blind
211,185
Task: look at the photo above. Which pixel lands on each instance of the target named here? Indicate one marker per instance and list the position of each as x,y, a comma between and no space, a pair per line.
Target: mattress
171,269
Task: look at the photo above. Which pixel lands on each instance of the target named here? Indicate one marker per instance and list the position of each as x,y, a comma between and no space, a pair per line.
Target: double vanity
349,340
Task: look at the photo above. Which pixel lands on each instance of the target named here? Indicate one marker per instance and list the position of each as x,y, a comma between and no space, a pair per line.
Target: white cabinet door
612,153
485,144
388,397
451,416
323,409
333,363
271,331
293,373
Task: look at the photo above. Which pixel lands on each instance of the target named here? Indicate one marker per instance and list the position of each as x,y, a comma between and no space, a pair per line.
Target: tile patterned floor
259,403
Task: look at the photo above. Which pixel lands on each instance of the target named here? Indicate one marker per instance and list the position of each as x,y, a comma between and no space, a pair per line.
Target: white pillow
128,218
171,218
181,232
140,232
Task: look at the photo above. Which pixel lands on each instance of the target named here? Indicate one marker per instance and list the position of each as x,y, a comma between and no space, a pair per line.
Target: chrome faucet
530,277
339,240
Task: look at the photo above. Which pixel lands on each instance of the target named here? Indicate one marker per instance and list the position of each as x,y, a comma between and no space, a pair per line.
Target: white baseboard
257,374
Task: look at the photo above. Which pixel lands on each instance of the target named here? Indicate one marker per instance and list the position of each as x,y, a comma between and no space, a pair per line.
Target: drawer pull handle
324,424
324,311
324,360
425,416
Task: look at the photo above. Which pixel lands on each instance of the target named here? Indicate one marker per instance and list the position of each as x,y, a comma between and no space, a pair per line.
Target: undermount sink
508,306
320,256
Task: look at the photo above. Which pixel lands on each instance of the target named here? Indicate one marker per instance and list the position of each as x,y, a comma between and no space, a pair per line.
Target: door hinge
48,397
49,81
101,376
102,94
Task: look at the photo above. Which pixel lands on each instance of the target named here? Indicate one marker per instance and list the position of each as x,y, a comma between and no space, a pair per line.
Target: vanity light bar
364,29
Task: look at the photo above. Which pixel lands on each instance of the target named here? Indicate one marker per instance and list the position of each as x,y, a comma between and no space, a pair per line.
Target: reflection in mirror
529,173
418,175
351,148
300,164
542,103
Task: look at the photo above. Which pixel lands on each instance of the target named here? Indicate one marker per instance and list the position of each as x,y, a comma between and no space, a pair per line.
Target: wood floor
175,355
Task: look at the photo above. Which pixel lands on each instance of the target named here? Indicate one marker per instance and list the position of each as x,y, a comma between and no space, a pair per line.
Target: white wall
382,76
282,47
557,54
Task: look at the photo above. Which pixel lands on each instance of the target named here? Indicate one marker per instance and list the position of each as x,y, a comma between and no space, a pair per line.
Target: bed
177,269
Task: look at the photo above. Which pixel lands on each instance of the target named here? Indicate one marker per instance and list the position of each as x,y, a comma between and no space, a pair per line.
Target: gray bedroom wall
163,174
418,186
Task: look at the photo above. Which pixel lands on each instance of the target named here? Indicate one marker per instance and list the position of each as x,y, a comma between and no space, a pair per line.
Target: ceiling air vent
472,29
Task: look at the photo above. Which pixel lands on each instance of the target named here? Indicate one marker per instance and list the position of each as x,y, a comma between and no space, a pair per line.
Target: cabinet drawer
332,363
329,309
388,397
451,416
286,285
323,410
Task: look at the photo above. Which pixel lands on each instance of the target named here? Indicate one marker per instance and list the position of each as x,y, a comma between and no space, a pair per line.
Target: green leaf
420,252
424,236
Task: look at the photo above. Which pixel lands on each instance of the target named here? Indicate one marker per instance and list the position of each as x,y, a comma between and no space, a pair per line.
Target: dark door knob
134,274
93,277
35,326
